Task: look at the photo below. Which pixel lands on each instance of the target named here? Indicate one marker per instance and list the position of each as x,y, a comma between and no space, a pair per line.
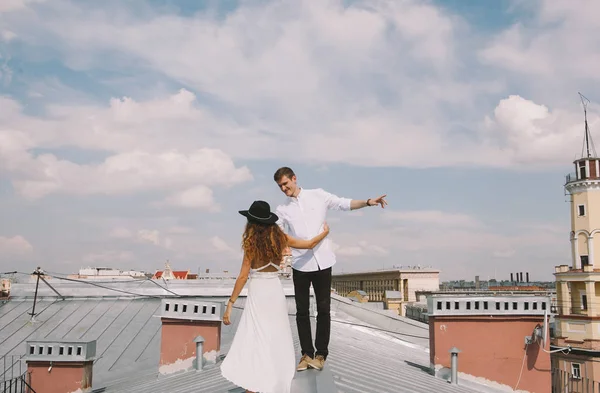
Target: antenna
588,136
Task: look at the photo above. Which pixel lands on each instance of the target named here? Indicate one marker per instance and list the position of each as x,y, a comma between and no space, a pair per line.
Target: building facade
375,283
499,337
577,330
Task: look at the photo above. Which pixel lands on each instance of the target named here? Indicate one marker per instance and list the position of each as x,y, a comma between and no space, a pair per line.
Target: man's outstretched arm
335,202
359,204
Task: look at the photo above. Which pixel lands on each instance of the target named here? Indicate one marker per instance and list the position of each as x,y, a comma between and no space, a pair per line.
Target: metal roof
362,358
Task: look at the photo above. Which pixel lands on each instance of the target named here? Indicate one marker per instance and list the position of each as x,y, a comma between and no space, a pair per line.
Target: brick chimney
495,336
60,366
183,320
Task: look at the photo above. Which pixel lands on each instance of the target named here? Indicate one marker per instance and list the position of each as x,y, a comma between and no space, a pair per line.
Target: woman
262,354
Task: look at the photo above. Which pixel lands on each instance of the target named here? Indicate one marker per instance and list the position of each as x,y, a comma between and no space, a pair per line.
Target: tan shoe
317,363
304,361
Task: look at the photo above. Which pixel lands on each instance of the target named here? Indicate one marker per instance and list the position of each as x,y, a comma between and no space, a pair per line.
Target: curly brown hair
263,243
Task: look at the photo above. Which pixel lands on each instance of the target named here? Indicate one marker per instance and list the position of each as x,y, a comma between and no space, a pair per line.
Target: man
302,216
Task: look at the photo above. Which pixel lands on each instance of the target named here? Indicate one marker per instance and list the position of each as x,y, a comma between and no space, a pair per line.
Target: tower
577,323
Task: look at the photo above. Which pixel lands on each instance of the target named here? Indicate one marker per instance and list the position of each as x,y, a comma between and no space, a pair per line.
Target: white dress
262,356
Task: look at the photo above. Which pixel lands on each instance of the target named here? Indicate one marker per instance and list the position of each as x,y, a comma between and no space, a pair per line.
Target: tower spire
588,142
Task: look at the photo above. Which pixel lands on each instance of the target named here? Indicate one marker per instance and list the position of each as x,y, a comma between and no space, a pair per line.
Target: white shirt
302,217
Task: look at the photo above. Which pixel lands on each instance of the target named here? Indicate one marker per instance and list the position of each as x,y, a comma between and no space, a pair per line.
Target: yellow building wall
591,220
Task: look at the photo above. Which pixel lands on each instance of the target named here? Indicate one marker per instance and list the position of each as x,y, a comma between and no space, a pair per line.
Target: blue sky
132,133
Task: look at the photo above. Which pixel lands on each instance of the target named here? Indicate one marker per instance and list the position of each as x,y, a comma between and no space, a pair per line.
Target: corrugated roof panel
361,359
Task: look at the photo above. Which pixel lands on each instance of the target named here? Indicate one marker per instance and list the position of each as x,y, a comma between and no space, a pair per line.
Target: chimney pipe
527,275
187,321
60,366
517,277
454,364
511,278
521,277
199,353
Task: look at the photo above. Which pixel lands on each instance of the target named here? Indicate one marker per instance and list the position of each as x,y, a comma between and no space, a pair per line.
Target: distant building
375,283
170,274
4,288
499,338
393,300
107,273
577,329
359,296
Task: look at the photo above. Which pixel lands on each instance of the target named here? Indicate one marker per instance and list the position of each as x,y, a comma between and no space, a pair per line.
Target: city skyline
133,133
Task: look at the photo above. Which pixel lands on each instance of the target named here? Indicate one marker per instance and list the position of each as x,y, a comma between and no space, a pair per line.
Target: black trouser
321,282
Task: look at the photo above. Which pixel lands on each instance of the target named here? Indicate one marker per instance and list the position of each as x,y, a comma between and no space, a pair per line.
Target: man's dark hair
283,171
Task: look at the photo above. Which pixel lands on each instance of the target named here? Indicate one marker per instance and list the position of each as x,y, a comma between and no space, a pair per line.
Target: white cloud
121,233
220,244
14,5
360,248
508,253
200,197
558,42
139,163
112,257
179,230
532,134
269,65
394,85
7,35
149,236
15,245
433,218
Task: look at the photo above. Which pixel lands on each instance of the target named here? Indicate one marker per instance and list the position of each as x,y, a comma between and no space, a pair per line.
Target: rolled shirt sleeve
280,219
335,202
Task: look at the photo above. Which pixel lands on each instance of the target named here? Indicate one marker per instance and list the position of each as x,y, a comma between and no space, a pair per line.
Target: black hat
260,212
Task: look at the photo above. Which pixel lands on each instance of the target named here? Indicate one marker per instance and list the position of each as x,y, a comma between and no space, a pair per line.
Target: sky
132,133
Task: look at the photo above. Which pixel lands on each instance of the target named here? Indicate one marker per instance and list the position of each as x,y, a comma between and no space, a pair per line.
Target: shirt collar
297,196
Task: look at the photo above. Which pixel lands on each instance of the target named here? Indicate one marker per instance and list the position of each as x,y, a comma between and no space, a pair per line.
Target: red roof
180,274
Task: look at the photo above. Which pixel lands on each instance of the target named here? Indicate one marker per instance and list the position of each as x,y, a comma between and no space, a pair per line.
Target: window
70,351
203,309
514,305
544,306
61,351
447,305
584,260
175,308
196,309
476,305
439,305
526,304
534,305
576,370
582,171
584,302
49,351
185,308
456,305
485,305
213,310
506,305
167,307
31,350
41,350
581,210
79,351
468,305
497,305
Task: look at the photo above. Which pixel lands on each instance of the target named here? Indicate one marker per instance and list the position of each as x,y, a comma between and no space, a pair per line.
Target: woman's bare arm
237,288
241,279
308,244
